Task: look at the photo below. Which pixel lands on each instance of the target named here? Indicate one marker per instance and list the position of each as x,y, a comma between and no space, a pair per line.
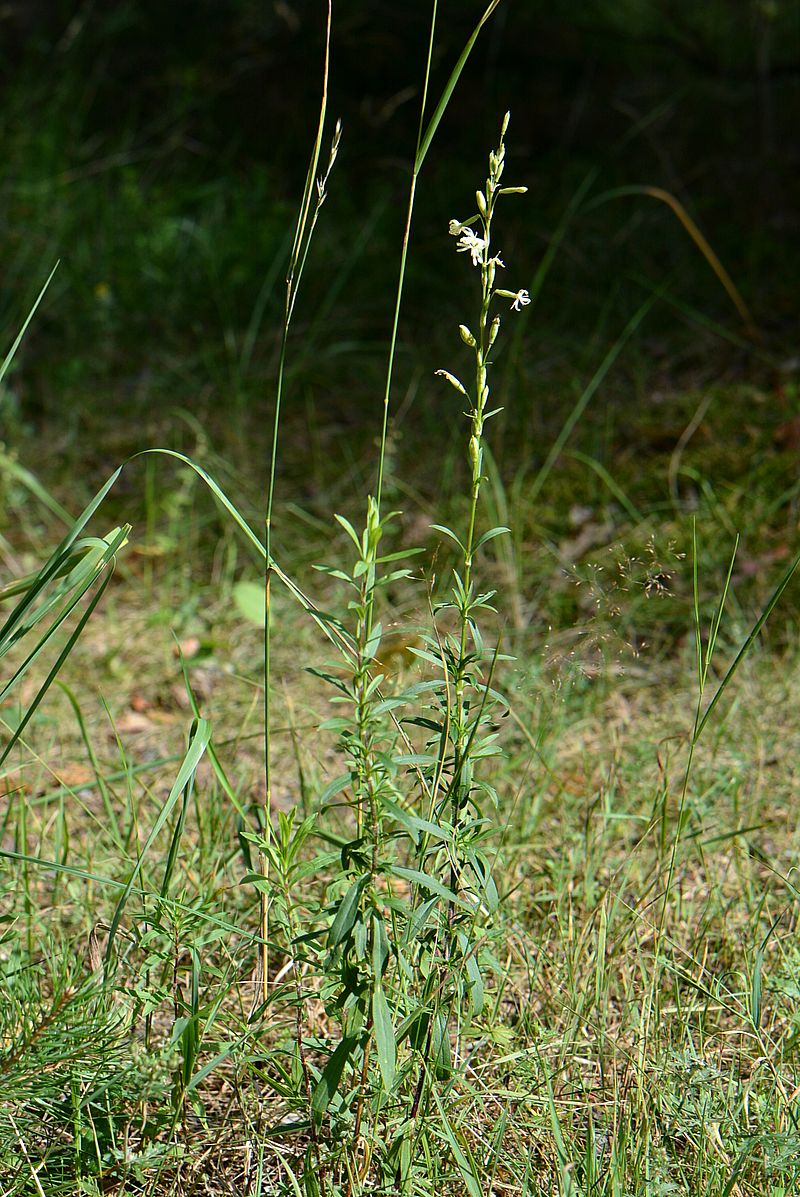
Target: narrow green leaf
490,535
380,946
349,529
476,992
461,1155
18,339
450,533
415,824
428,883
747,645
373,643
757,981
194,753
334,787
55,866
330,1078
756,987
345,918
449,88
615,489
384,1038
588,393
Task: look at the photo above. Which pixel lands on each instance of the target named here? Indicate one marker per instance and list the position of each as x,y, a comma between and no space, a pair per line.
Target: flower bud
480,200
451,378
494,330
466,336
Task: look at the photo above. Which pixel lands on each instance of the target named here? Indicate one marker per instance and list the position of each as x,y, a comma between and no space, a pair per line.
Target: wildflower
521,300
469,243
455,228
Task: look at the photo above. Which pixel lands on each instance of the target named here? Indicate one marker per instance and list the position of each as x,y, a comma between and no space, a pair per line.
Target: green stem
302,239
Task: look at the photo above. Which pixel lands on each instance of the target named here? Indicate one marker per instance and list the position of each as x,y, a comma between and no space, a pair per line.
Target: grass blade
197,746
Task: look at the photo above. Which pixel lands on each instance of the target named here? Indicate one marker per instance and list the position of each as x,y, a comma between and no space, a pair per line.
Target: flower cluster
477,246
474,237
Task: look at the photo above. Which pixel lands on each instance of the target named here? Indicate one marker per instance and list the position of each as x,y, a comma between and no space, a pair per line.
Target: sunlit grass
503,910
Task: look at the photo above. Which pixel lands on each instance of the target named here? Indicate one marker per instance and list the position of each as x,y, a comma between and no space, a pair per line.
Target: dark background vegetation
158,150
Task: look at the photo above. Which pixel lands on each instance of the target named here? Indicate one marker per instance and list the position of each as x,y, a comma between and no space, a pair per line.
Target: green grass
517,918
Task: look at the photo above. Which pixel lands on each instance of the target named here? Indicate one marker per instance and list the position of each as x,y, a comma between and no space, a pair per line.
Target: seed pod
466,336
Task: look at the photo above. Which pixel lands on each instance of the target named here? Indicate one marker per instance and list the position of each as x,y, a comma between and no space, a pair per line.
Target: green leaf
449,88
756,984
448,532
249,598
330,1077
373,644
420,919
416,825
330,572
384,1038
398,556
380,946
476,992
18,339
335,787
417,877
350,530
461,1153
197,745
746,646
490,535
345,918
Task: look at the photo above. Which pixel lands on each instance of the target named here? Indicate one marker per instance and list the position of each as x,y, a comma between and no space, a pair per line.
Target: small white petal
469,243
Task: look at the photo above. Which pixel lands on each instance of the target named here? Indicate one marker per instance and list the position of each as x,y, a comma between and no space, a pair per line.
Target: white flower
469,243
496,261
521,300
455,228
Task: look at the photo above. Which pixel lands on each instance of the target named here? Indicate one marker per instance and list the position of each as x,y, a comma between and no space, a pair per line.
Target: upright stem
402,272
302,240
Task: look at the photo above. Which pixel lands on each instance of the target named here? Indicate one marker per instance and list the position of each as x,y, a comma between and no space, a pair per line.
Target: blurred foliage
158,150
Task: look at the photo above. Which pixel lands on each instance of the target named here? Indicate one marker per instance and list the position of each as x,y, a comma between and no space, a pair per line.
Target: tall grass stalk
313,198
425,136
